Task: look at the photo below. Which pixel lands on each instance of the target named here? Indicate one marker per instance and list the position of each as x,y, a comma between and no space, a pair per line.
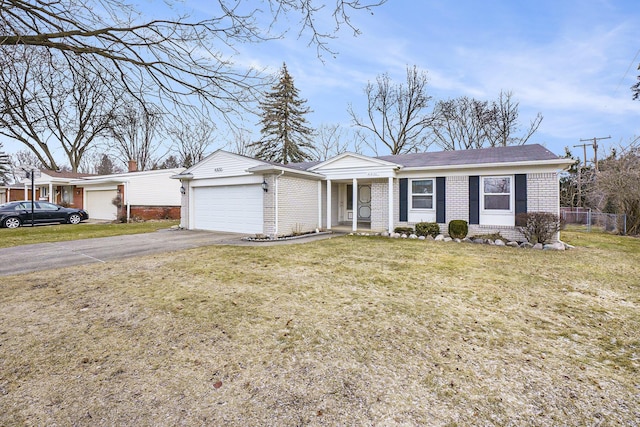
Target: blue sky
572,61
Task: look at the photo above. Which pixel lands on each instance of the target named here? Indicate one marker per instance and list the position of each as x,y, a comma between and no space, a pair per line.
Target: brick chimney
133,166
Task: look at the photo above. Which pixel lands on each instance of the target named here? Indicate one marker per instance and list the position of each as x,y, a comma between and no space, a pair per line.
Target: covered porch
359,204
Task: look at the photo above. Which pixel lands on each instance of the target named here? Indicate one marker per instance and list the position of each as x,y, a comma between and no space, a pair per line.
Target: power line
633,61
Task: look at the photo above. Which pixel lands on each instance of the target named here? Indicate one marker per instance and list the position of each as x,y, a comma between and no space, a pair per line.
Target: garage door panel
233,208
99,204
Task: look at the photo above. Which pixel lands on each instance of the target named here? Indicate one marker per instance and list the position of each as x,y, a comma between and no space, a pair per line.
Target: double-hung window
422,194
496,192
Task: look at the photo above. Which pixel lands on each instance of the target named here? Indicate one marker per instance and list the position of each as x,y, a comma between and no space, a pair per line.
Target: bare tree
47,105
465,123
333,139
396,113
192,140
175,58
135,135
616,188
240,142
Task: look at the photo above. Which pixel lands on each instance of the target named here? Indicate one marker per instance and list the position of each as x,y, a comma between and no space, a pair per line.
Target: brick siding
297,205
379,206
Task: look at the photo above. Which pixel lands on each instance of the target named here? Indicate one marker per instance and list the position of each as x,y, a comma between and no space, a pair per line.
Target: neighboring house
51,186
145,195
486,187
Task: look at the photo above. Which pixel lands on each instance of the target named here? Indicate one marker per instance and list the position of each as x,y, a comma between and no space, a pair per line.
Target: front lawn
64,232
346,331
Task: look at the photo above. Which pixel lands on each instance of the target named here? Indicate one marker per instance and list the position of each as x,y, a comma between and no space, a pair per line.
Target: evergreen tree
105,166
4,166
286,138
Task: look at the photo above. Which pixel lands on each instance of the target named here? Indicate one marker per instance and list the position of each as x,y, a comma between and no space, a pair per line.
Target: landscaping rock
457,240
447,239
439,238
526,245
413,236
430,237
467,240
557,246
500,243
403,236
421,238
538,246
478,241
385,234
513,244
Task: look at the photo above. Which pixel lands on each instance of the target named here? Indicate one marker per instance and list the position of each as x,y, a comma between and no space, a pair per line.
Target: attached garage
99,204
232,208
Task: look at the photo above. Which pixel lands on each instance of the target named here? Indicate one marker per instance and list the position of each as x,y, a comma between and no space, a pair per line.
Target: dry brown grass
349,331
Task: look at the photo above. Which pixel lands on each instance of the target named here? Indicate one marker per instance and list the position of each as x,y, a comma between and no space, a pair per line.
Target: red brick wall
155,212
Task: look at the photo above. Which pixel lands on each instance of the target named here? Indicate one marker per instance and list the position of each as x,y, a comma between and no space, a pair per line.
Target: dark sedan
14,214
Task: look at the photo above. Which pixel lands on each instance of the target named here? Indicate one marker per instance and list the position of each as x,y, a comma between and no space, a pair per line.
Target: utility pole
584,159
594,143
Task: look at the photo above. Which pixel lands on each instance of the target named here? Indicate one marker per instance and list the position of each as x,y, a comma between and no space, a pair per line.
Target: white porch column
51,195
391,209
328,204
354,197
319,204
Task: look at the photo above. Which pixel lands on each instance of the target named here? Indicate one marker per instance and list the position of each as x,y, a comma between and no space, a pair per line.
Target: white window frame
432,194
44,191
510,194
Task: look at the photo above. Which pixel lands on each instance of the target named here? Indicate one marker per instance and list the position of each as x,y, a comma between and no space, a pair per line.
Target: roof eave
564,163
275,168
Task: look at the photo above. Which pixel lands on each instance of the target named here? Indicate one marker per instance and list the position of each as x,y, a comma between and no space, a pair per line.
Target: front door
364,203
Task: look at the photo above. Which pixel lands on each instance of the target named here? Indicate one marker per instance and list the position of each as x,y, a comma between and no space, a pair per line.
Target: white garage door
233,208
99,204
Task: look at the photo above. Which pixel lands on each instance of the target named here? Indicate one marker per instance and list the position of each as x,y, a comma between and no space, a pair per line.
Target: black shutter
404,204
441,199
474,200
521,196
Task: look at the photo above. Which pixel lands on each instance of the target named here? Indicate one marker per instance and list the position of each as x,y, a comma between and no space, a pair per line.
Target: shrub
403,230
538,227
458,229
427,229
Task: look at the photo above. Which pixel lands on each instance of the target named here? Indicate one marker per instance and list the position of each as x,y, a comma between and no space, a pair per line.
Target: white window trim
511,196
432,194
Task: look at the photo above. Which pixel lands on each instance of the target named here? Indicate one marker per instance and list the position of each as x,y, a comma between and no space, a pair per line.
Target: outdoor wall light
183,190
265,186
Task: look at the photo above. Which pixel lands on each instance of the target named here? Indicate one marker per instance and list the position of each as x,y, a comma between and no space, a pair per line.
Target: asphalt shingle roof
515,153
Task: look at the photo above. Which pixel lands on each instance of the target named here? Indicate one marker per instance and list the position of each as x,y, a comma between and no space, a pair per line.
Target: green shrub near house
403,230
458,229
427,229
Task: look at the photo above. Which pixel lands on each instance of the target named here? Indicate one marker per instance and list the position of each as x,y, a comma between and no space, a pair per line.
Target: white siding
223,164
153,189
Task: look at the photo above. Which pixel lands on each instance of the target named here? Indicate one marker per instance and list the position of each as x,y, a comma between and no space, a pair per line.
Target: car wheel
74,219
12,222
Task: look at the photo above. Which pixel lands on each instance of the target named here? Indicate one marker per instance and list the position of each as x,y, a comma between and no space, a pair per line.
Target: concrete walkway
46,256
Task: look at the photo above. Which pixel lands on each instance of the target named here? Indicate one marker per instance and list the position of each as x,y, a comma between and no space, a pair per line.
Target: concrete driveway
45,256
